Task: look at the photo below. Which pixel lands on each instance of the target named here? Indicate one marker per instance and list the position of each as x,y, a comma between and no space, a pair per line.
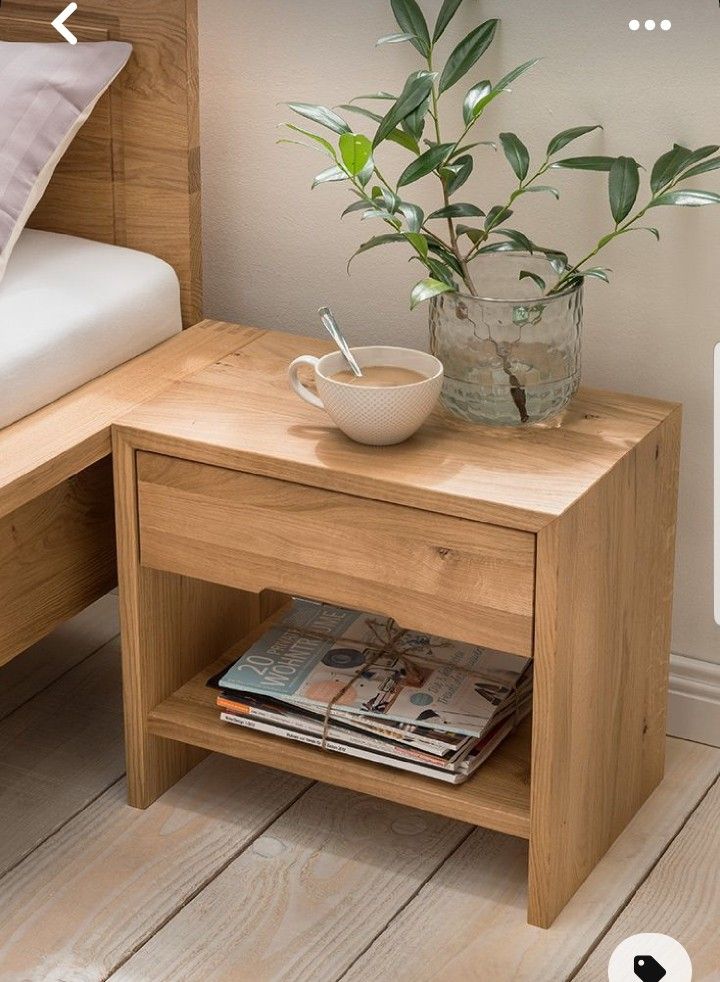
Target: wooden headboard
132,175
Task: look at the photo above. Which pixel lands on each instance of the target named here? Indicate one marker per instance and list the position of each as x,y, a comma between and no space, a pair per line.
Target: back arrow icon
59,23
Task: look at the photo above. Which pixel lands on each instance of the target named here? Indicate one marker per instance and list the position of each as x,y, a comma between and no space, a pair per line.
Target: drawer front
431,572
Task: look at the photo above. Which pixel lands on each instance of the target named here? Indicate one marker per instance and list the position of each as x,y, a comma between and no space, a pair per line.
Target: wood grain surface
57,556
680,897
90,896
307,896
435,573
241,414
497,796
53,656
58,752
468,923
602,647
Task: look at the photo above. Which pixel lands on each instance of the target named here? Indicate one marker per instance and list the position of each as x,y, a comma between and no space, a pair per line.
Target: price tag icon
648,969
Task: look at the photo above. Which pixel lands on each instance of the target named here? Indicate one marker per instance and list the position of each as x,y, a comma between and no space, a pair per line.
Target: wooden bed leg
171,627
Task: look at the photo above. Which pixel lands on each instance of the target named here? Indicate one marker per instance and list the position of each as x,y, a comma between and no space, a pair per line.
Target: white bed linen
71,310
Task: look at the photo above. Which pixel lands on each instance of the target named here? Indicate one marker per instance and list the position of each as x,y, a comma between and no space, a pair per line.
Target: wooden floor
241,872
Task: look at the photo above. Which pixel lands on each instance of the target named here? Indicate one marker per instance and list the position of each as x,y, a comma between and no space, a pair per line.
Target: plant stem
455,248
524,185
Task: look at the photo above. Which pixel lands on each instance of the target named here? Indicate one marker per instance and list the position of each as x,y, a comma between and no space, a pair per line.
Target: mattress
71,310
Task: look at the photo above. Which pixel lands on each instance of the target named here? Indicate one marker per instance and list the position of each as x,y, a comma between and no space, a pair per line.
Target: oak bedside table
555,542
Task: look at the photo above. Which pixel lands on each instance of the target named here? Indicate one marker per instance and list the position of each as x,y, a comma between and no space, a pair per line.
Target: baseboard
694,704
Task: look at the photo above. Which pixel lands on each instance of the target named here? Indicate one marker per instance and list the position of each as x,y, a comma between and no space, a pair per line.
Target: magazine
309,723
376,670
481,752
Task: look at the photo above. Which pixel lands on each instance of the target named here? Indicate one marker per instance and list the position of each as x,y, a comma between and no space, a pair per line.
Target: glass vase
512,355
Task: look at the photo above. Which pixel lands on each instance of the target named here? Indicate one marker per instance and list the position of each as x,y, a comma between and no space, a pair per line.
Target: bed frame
131,177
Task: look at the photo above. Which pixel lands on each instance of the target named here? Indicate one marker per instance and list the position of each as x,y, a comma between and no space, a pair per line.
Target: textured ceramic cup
377,415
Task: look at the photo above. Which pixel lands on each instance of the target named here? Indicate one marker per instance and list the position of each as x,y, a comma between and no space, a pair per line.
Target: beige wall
274,251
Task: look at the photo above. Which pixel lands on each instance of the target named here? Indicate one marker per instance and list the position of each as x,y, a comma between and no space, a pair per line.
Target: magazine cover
319,652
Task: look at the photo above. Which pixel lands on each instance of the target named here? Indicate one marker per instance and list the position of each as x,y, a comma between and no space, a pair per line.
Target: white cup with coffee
397,392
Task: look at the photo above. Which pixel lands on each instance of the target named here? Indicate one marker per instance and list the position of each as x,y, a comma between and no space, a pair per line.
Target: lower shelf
496,797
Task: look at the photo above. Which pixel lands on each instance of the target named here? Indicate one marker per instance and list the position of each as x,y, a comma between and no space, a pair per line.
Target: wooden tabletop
240,413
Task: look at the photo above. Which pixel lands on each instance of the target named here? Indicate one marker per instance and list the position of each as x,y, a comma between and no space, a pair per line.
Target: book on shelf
357,684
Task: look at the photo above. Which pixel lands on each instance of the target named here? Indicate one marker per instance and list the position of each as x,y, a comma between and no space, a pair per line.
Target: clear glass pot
511,356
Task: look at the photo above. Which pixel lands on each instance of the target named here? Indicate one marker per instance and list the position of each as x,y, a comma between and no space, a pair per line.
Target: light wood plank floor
244,873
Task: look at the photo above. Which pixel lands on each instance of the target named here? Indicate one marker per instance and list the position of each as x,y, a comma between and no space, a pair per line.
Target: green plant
448,257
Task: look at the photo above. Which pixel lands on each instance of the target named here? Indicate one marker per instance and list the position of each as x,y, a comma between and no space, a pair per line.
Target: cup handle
297,385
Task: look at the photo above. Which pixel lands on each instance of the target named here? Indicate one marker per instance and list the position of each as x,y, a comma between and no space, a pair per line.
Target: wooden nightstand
555,542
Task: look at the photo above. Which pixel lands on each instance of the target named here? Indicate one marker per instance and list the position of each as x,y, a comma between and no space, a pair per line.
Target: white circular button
649,958
665,25
649,25
634,25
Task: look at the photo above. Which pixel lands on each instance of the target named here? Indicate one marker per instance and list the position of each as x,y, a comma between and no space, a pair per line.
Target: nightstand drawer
464,579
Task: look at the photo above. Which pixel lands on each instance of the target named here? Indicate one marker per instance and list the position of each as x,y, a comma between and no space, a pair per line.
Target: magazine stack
357,684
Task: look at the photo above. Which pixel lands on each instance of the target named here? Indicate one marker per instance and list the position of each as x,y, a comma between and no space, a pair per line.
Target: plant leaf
474,234
518,238
471,146
536,188
668,167
474,97
440,271
413,214
527,275
379,213
558,260
447,12
397,136
419,242
414,122
501,247
384,96
377,240
457,173
427,289
425,164
417,89
705,168
447,257
496,216
623,186
687,199
355,206
395,39
597,273
356,151
331,174
567,136
515,74
459,210
500,87
585,163
644,228
320,114
467,54
391,200
320,140
361,111
517,154
411,21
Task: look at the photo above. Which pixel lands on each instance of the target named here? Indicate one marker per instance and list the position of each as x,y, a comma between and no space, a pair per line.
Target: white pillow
48,92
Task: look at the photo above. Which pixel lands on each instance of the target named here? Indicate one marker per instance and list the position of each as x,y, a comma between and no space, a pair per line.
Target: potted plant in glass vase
505,312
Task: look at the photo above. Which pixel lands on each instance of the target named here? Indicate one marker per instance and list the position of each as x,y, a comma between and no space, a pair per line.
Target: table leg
602,643
171,627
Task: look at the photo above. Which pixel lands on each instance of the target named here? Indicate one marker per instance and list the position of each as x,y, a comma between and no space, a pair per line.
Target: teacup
379,415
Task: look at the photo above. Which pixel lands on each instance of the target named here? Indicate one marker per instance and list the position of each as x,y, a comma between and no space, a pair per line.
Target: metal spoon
333,329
